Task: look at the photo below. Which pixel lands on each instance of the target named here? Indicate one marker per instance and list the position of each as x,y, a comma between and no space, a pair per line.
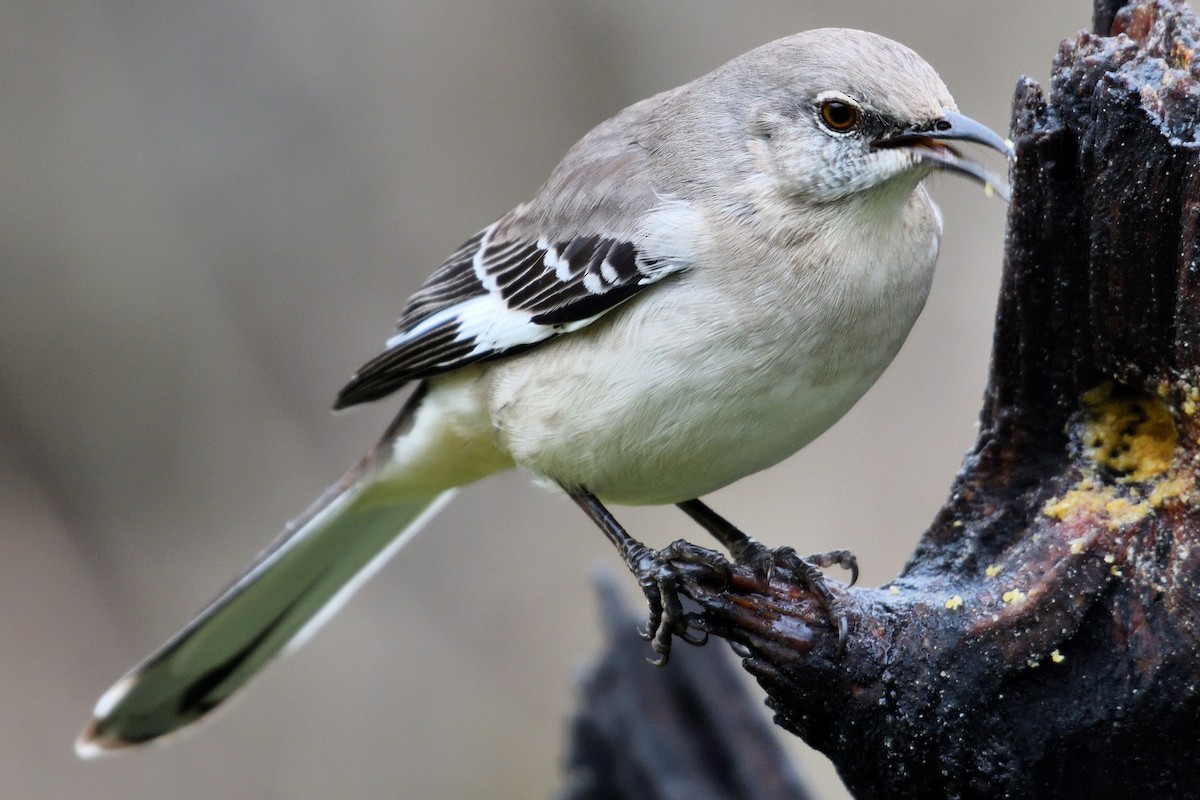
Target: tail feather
290,590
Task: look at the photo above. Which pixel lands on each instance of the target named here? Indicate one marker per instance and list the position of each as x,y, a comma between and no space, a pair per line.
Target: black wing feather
496,298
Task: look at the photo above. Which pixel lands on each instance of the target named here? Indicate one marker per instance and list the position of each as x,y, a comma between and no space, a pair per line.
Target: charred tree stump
1042,641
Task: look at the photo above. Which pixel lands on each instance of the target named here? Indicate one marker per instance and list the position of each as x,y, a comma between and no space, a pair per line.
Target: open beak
930,147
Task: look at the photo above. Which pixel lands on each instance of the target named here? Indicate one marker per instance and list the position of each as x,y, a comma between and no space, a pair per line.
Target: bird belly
640,413
712,440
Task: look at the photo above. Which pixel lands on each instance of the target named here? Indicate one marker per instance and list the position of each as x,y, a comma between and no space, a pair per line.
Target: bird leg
761,560
657,576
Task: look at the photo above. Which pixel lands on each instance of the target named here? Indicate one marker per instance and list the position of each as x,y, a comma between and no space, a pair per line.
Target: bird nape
706,282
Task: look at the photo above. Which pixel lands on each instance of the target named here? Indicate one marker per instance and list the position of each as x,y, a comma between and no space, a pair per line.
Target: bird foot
763,561
658,573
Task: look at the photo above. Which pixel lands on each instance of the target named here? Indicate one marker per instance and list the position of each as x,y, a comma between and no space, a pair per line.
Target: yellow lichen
1101,501
993,570
1130,441
1057,657
1125,512
1175,488
1191,396
1133,466
1087,496
1013,596
954,603
1131,434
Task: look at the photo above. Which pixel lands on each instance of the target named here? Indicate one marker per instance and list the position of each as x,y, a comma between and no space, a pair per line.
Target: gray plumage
706,282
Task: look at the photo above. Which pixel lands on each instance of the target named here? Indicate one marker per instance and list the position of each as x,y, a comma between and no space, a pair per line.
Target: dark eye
840,115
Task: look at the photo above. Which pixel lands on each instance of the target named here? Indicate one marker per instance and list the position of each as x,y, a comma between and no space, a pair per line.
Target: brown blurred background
211,213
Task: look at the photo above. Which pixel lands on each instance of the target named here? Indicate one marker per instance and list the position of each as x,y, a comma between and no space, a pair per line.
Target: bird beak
929,146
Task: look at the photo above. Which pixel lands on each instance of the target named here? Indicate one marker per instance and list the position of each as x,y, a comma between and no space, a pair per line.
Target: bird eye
840,116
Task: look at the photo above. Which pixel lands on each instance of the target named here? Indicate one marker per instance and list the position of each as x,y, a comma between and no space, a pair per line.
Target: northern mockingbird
707,281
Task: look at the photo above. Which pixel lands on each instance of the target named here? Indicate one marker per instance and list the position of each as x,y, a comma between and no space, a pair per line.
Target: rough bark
1042,640
688,732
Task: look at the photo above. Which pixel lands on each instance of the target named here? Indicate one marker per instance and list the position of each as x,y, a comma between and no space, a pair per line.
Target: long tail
290,590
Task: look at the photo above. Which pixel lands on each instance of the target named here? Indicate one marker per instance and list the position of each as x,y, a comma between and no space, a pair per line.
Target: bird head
837,112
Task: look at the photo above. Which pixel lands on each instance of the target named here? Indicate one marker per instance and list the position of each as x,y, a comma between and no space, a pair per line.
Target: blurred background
211,214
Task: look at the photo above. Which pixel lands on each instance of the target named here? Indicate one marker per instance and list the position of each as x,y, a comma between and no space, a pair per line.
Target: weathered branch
1042,641
689,731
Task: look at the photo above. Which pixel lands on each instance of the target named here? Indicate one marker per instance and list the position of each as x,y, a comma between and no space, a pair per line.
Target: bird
706,282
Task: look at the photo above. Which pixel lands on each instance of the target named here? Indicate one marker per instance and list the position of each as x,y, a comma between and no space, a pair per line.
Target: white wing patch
494,298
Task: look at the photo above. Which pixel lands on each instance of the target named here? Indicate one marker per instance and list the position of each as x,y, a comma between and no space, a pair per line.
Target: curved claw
662,646
762,562
853,570
740,650
842,558
843,633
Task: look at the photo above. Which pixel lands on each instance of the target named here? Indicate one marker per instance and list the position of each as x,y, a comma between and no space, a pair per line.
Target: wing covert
495,297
